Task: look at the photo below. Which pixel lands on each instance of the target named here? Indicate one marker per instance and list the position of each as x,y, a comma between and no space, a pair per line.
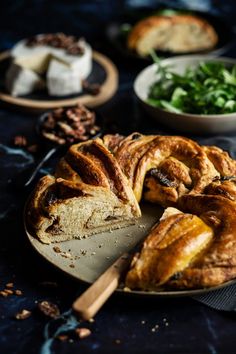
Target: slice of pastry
176,34
89,194
170,247
188,251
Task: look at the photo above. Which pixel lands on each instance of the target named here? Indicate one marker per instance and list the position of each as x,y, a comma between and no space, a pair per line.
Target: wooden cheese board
104,73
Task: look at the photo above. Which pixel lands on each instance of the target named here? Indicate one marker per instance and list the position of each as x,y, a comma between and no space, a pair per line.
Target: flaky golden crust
225,187
218,263
223,163
186,251
168,250
94,164
89,180
167,26
180,160
34,211
219,213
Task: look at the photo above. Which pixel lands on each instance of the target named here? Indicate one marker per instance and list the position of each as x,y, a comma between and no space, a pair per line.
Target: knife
89,303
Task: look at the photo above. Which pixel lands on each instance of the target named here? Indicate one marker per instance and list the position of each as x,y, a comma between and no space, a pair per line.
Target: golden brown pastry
176,34
223,163
169,249
89,194
97,187
224,186
165,166
189,251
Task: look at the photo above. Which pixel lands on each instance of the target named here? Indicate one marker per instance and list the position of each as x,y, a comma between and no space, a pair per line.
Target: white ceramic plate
183,122
90,257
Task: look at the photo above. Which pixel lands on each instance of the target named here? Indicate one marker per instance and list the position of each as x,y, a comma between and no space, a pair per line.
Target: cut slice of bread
176,34
89,194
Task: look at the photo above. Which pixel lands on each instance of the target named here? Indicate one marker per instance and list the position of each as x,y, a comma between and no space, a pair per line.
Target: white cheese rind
82,63
21,81
62,80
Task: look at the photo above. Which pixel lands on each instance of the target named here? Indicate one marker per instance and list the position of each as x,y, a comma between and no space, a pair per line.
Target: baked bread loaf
89,194
176,34
98,184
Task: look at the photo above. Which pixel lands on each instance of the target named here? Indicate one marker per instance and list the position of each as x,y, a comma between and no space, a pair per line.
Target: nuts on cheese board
55,61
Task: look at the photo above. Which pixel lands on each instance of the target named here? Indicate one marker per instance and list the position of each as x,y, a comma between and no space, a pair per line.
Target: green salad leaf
209,88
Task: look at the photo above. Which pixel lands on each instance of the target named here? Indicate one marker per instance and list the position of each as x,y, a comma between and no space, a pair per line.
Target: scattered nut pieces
62,337
66,254
83,332
33,148
9,285
49,309
18,292
3,293
142,226
127,289
8,291
56,249
20,140
22,315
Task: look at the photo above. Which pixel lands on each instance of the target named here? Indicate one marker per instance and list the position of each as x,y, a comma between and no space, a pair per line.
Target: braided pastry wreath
98,186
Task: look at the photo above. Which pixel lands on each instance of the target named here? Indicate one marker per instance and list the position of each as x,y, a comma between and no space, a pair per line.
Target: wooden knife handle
88,304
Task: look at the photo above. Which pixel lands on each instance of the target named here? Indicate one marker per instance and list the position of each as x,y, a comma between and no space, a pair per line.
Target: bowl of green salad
193,94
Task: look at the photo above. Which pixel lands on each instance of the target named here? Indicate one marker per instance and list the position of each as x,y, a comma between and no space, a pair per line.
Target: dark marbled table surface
124,325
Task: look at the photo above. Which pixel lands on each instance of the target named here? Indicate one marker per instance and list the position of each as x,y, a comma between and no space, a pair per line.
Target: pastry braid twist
99,183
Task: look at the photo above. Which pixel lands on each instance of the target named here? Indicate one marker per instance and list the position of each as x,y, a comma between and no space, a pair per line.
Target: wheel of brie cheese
62,61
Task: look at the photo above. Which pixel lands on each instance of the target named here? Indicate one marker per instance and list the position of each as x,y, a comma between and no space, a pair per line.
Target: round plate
87,259
104,73
183,122
117,33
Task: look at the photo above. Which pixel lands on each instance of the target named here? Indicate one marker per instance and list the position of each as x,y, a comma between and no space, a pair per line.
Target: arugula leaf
208,88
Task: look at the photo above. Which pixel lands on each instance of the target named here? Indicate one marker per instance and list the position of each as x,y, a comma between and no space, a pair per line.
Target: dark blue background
193,327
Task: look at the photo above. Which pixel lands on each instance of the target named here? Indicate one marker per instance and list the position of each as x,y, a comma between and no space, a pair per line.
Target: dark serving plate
117,32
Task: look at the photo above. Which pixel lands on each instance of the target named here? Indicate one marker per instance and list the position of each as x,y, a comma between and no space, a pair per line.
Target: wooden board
108,89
